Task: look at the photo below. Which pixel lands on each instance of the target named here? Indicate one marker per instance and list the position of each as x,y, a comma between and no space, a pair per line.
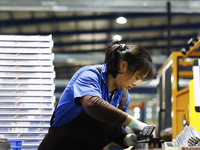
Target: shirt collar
104,74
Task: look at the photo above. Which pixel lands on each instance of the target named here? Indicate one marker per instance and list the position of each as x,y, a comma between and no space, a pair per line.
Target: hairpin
122,46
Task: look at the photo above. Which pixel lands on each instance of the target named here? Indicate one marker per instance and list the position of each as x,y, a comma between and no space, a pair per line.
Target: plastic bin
15,144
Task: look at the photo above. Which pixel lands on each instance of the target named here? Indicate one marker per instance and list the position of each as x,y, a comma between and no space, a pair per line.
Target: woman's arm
103,111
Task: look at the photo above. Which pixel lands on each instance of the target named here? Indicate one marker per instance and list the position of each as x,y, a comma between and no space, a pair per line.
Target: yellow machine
181,99
194,116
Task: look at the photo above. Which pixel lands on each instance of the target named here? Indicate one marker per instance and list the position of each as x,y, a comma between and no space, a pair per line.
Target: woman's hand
130,139
134,123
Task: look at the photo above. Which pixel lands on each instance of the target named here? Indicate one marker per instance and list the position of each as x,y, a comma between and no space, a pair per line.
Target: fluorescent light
117,37
121,20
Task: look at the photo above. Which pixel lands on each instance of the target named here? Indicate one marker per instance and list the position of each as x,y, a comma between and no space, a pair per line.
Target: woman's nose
138,82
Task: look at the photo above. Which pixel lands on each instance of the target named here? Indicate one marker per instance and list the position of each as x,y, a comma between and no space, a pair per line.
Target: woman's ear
123,66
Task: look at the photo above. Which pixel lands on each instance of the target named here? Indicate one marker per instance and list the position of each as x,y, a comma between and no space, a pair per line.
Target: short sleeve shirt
86,81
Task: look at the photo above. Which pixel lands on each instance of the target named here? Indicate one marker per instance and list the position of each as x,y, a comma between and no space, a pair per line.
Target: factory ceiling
81,29
178,6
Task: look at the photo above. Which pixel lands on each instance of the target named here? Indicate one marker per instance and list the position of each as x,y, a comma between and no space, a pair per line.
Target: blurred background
82,29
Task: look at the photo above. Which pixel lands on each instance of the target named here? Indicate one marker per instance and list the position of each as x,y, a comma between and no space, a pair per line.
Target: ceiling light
121,20
117,37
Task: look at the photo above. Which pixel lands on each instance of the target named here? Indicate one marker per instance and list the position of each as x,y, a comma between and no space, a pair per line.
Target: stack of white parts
188,137
26,88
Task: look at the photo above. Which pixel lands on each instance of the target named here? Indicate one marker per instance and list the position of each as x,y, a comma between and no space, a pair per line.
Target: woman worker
91,112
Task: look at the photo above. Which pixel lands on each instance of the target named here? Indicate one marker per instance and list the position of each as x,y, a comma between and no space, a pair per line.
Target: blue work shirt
86,81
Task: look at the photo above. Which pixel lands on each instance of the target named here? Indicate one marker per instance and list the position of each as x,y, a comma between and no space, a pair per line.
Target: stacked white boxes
26,88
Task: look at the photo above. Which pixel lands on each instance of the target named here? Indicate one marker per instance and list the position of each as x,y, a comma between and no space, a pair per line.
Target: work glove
136,131
138,128
136,124
131,139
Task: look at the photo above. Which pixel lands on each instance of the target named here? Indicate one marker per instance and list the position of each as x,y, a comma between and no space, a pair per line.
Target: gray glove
131,139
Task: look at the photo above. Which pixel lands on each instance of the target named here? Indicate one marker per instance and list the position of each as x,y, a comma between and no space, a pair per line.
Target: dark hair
137,57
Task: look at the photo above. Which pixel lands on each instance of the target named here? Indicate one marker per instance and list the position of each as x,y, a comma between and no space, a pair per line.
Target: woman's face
126,81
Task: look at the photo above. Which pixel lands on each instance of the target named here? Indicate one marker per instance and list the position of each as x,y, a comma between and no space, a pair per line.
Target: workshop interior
44,42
